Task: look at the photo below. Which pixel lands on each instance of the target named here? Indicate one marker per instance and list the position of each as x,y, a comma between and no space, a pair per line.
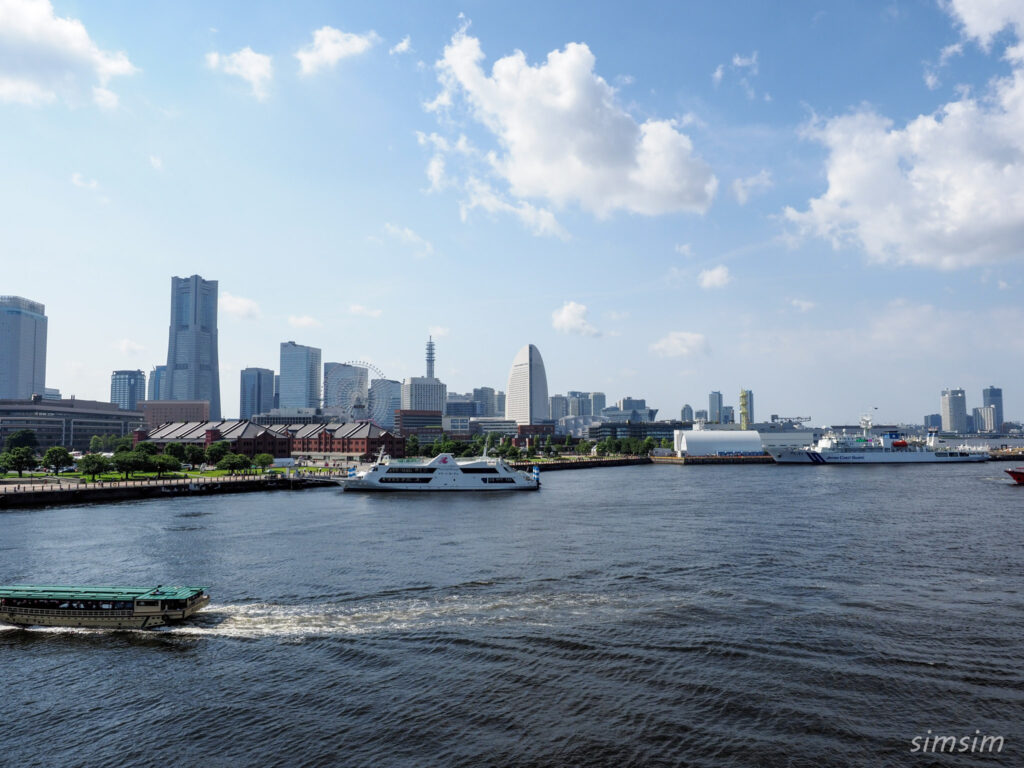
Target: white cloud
680,344
684,249
420,247
303,321
983,19
718,74
945,191
239,307
614,315
572,318
330,46
743,188
540,221
129,347
748,63
80,181
359,309
255,68
43,58
716,277
931,80
562,136
802,305
405,46
439,331
156,162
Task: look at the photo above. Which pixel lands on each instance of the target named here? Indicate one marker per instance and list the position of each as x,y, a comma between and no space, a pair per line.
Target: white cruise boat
887,448
442,473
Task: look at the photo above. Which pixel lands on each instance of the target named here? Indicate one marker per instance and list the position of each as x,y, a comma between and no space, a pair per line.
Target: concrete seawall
40,495
551,466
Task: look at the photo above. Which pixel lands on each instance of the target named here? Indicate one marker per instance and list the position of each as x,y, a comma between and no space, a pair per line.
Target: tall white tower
527,398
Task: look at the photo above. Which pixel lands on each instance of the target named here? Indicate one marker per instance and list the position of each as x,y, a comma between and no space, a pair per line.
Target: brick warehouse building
362,440
243,437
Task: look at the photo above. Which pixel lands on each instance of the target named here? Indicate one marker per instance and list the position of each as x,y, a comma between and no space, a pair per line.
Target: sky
822,202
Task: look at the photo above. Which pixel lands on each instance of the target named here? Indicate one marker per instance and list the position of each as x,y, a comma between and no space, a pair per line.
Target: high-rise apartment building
527,401
994,396
193,369
156,388
500,401
715,407
385,399
256,394
22,348
933,421
558,407
579,403
728,415
486,398
954,410
598,402
425,393
985,419
127,389
300,376
346,388
687,413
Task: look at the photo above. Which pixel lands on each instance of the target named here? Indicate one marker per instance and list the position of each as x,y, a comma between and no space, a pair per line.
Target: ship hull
1016,474
72,619
803,456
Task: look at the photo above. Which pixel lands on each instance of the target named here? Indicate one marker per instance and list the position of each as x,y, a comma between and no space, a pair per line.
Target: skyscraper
597,403
487,400
425,393
994,396
385,399
715,407
558,406
257,392
22,348
954,410
984,419
687,413
300,376
746,408
193,370
527,401
127,389
156,389
345,387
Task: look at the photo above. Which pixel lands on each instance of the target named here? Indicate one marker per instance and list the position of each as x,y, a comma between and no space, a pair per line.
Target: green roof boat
99,607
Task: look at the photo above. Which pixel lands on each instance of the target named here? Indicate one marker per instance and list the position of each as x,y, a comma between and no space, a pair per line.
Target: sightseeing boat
442,473
1017,474
99,607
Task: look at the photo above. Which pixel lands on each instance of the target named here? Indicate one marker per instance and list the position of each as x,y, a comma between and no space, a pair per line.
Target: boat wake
259,620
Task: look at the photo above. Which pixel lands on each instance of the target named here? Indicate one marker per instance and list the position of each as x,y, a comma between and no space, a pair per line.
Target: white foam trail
259,620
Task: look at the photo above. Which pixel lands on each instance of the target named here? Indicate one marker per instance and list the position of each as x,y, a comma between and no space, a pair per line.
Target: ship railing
71,612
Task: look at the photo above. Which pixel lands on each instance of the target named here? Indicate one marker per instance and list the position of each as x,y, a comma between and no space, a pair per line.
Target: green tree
648,445
148,448
177,450
263,460
164,463
583,447
412,446
56,458
194,455
232,462
666,443
129,461
93,464
217,451
21,438
95,444
121,445
18,460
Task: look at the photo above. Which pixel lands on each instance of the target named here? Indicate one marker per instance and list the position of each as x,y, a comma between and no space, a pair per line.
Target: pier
60,492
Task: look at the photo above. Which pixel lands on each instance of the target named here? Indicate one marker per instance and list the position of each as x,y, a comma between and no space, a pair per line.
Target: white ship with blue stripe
887,448
442,473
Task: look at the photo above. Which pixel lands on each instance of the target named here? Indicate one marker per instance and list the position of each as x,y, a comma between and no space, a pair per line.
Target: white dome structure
527,398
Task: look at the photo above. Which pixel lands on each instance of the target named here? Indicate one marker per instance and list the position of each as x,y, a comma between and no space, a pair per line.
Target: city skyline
709,240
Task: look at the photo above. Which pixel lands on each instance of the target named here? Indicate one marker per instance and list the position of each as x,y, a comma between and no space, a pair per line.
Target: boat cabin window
479,471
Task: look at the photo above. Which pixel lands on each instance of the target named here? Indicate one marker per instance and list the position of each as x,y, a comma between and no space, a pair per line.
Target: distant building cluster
986,419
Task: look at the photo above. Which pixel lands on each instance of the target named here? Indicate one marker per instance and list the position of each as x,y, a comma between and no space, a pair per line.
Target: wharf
766,459
36,494
581,463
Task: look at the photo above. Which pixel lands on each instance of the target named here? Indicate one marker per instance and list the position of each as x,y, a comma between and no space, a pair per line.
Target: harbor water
647,616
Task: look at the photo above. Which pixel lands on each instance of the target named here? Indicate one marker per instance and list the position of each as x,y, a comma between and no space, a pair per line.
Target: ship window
479,471
411,470
405,479
498,479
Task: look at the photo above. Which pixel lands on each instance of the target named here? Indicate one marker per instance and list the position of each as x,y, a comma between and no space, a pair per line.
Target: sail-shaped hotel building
527,398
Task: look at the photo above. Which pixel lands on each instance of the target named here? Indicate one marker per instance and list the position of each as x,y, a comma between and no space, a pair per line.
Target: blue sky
822,202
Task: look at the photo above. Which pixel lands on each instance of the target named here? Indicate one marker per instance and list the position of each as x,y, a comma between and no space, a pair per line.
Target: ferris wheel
369,366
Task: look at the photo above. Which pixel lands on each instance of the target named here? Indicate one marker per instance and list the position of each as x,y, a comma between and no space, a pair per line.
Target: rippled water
709,616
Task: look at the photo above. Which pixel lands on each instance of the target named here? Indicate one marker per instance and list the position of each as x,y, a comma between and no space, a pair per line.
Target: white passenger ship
887,448
442,473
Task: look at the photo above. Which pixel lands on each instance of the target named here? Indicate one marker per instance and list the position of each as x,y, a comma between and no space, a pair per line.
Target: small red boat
1017,474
